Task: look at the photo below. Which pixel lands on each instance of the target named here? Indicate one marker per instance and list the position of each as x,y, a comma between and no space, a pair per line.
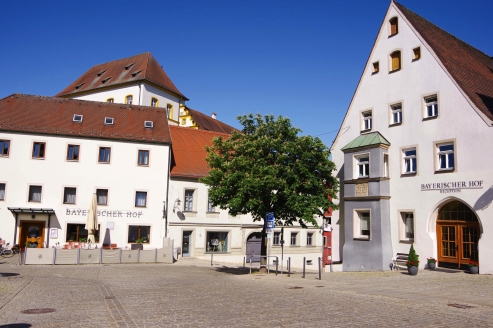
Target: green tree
268,167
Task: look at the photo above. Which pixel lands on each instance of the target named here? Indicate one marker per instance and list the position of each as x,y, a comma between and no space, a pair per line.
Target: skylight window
106,80
136,73
79,86
109,120
128,66
148,124
101,73
77,118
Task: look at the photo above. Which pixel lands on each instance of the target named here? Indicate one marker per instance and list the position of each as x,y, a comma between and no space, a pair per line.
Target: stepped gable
54,116
469,67
143,67
208,123
189,151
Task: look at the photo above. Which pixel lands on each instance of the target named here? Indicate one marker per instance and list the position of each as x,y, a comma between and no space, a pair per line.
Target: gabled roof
468,66
208,123
54,116
368,139
141,67
189,151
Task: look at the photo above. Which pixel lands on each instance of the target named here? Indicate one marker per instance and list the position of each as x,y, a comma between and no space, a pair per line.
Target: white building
412,151
55,153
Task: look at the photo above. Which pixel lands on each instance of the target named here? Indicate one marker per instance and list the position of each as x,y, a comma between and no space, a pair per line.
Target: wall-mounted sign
106,213
452,187
53,233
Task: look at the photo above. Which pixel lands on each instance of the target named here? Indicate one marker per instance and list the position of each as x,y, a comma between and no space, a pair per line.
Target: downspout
48,234
15,229
167,195
140,92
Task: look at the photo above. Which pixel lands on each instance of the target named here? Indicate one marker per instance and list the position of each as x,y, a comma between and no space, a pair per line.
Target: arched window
129,99
154,102
393,26
169,108
396,60
110,100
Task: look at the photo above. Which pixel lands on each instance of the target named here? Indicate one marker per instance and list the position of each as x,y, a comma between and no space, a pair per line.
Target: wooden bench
399,259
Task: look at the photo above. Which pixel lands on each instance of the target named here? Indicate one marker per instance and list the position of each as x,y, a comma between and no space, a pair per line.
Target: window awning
31,210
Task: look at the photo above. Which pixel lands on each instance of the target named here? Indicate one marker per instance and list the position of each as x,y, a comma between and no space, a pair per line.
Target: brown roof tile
189,151
50,115
470,68
208,123
131,69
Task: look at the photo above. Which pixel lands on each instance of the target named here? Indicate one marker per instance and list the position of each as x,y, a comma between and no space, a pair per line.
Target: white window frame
357,226
64,193
432,105
403,228
127,98
78,118
408,158
40,193
107,196
146,198
148,124
189,200
396,110
276,239
366,120
210,207
296,238
444,155
364,164
385,165
310,236
109,121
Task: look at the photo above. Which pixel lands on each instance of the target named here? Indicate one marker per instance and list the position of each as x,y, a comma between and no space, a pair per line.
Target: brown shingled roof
469,67
131,69
49,115
189,151
208,123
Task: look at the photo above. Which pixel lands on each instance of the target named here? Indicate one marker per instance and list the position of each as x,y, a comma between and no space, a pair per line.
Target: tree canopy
268,167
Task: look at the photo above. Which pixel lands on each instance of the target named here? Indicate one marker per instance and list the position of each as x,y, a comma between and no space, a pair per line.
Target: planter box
136,246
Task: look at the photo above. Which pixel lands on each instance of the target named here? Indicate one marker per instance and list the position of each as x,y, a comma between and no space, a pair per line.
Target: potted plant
412,262
431,263
473,267
82,240
137,245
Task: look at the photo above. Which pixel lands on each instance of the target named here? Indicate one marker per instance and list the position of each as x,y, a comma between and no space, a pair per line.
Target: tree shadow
8,274
484,200
234,270
16,325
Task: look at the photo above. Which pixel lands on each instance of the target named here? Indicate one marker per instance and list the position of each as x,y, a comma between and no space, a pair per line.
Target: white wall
122,177
457,120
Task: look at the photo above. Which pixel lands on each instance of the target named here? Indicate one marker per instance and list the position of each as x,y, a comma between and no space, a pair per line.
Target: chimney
213,115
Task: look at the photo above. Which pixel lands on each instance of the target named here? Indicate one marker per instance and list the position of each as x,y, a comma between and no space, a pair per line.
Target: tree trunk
263,247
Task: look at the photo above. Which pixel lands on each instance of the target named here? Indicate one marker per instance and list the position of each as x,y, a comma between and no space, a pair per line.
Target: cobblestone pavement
194,293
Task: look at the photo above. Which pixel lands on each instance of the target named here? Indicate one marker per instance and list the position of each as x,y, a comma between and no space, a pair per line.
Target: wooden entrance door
457,235
32,234
254,247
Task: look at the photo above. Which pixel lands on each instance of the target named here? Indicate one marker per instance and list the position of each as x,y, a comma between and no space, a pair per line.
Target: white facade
122,178
458,123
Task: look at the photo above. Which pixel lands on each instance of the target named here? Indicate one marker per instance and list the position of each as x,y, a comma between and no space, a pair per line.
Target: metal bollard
250,265
212,255
277,264
289,266
244,259
304,262
319,268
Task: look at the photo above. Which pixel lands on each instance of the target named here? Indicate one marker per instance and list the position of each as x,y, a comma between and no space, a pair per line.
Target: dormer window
77,118
129,99
110,100
79,86
395,63
128,66
394,29
154,102
108,120
148,124
101,73
136,73
105,80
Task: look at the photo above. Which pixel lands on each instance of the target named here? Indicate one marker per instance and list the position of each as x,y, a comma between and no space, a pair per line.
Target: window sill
73,160
191,212
4,156
32,201
430,118
408,174
294,246
102,204
217,252
212,212
375,73
395,70
415,59
395,124
143,165
68,203
103,162
406,241
311,246
361,239
440,171
366,131
38,158
392,35
140,206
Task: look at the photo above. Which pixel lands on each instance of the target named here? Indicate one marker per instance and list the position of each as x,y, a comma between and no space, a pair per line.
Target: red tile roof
208,123
141,67
54,116
189,151
469,67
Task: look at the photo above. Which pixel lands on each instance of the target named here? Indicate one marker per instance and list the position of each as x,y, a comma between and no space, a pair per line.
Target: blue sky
300,59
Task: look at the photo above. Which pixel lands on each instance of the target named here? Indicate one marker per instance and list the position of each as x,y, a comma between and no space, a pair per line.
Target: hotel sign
452,187
106,213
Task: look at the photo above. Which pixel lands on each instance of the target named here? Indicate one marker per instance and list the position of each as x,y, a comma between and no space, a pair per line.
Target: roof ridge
195,110
117,60
197,130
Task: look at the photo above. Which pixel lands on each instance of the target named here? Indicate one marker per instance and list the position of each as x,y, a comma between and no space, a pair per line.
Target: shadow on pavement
16,325
230,270
8,275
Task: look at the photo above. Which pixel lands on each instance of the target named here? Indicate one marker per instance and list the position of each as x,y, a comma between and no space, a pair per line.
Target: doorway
457,235
186,244
254,247
32,234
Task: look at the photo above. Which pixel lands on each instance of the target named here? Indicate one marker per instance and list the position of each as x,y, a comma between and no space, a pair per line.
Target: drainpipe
167,196
15,229
140,92
48,234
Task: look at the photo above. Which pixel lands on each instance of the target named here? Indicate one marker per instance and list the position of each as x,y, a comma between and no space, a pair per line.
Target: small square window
362,225
431,106
104,154
110,100
309,239
102,196
78,118
148,124
2,191
294,238
410,161
109,120
140,199
396,113
140,234
4,148
407,226
35,194
73,152
129,99
446,158
376,67
39,149
416,53
69,194
366,124
143,158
